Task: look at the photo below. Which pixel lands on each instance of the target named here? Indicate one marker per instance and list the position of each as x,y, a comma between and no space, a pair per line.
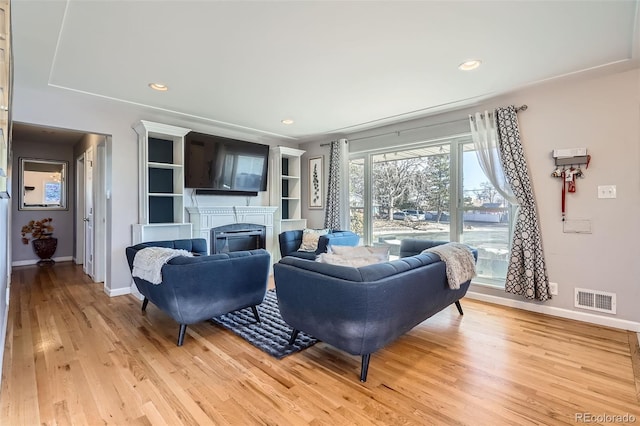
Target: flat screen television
219,165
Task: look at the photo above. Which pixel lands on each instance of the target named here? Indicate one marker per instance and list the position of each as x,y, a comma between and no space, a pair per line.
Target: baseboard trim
34,261
117,292
558,312
3,334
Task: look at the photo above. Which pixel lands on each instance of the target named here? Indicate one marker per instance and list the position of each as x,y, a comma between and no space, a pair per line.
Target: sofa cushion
381,252
354,256
349,274
310,239
353,261
382,270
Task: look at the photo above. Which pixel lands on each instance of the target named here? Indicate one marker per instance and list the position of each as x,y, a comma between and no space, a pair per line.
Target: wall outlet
553,288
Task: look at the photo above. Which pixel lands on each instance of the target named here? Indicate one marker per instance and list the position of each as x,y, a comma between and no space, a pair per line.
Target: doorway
88,156
90,214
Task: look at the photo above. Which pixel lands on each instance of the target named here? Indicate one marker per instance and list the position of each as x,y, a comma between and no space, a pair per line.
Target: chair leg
364,369
256,313
459,307
294,334
145,302
183,329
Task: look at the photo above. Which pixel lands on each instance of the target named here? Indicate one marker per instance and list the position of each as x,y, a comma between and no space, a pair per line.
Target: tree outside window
412,197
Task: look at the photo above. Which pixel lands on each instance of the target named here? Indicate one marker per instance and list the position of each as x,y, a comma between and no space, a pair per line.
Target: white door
88,213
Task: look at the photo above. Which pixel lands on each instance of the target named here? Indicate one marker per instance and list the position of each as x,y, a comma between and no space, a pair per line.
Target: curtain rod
397,132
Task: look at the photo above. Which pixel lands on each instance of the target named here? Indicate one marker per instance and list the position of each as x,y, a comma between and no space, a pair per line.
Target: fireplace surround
204,219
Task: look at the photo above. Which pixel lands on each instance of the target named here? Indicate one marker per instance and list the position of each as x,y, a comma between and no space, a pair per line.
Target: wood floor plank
74,356
634,344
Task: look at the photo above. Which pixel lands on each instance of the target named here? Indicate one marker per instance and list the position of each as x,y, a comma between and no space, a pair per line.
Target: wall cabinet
161,182
285,190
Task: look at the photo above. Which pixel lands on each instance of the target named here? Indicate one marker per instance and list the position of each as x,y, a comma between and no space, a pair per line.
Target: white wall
600,113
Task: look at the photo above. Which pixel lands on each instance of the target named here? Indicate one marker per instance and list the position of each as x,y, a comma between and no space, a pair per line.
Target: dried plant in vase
39,229
44,245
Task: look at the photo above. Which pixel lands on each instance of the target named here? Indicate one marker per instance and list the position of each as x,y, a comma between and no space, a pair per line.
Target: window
52,193
433,191
486,217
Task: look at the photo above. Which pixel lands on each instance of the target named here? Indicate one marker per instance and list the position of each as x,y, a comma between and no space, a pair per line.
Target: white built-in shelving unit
285,189
161,213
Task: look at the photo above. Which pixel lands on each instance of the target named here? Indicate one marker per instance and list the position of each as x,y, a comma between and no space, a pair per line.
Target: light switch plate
607,191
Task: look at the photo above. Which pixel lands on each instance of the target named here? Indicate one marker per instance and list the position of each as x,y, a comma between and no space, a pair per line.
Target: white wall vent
595,300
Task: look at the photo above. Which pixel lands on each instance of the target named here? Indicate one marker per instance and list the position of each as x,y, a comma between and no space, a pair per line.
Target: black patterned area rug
271,334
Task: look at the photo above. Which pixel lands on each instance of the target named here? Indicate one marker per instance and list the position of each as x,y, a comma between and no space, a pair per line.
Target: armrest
289,242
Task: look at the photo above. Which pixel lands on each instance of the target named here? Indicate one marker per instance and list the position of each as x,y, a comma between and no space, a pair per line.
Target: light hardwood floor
74,356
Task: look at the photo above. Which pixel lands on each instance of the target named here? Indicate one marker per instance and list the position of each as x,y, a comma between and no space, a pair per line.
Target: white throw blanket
149,261
459,262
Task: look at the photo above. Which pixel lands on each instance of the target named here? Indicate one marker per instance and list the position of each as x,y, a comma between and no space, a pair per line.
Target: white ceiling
332,66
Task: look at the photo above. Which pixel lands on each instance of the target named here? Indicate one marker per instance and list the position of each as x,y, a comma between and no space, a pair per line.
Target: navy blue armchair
290,242
202,287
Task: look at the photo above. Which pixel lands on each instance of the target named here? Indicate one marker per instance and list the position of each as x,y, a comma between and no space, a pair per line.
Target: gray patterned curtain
332,212
527,273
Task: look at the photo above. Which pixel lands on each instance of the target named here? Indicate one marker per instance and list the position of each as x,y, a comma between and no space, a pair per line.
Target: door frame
88,212
100,212
79,207
100,261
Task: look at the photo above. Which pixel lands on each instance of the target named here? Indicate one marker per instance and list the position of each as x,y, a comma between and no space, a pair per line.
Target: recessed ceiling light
159,87
470,65
287,121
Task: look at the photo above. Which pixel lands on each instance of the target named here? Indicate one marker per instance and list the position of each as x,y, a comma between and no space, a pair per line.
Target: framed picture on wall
316,179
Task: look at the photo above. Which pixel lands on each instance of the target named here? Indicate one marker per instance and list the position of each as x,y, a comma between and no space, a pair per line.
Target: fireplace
236,237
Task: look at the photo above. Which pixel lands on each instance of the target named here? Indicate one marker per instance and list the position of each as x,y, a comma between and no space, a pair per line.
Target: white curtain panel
484,133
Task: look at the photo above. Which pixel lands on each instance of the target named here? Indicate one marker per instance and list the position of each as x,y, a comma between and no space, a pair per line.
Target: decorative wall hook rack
574,158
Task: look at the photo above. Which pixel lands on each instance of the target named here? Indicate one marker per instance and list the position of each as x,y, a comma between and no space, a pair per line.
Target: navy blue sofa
360,310
290,242
202,287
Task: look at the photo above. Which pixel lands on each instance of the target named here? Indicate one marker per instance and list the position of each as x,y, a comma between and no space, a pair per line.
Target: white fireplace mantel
205,218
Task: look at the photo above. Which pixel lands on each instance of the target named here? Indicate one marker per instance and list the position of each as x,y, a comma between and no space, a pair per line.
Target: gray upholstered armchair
202,287
290,242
